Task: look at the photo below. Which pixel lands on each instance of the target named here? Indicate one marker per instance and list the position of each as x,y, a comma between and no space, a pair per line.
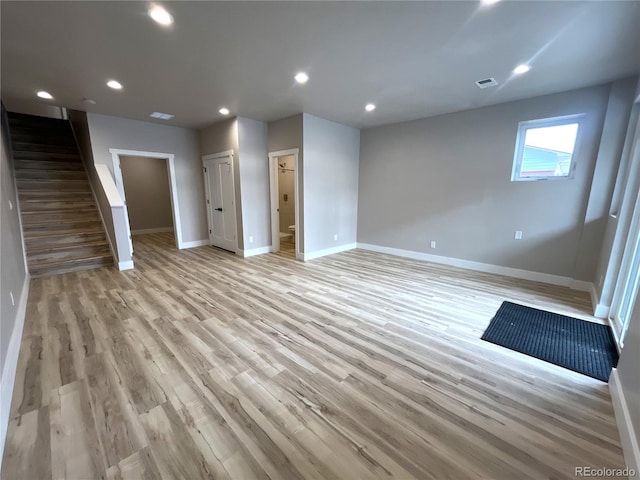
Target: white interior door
221,209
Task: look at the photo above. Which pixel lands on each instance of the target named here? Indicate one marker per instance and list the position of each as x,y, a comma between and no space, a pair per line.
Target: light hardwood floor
200,364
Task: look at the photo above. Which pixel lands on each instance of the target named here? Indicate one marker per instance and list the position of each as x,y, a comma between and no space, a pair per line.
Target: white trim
601,311
482,267
253,252
211,156
628,438
173,187
126,265
274,198
11,362
143,231
195,243
328,251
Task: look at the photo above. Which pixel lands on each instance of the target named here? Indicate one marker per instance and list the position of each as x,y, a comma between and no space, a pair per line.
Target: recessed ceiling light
489,2
520,69
224,111
369,107
45,95
114,84
160,15
161,116
302,77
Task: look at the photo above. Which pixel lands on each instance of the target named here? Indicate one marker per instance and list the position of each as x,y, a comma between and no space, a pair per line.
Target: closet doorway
285,223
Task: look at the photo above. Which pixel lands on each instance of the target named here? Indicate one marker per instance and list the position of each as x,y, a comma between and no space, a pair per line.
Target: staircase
61,224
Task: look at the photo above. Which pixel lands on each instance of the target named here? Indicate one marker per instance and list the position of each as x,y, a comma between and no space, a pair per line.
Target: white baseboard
11,363
127,265
193,244
142,231
482,267
628,438
328,251
252,252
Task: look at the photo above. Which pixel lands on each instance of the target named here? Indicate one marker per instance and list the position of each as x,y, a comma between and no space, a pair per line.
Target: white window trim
545,122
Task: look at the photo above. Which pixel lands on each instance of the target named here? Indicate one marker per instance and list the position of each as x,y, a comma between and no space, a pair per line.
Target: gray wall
598,223
331,157
286,186
616,228
80,126
146,184
254,183
113,132
286,134
448,179
221,137
12,267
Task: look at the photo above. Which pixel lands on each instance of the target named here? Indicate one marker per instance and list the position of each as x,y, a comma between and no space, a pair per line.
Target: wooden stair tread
47,156
67,260
48,165
66,246
62,233
27,207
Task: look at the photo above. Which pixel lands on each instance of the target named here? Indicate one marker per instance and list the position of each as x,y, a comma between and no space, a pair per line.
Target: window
545,148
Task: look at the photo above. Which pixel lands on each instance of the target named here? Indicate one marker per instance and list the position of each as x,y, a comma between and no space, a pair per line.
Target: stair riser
54,227
29,147
54,186
28,207
61,137
76,252
48,165
46,156
43,242
39,217
29,120
31,174
78,267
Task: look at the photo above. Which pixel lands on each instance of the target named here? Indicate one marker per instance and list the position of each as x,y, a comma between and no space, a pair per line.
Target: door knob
219,209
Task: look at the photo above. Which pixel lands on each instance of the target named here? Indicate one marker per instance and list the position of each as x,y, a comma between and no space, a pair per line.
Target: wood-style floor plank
200,364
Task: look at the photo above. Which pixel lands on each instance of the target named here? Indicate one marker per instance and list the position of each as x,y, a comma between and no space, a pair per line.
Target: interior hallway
200,364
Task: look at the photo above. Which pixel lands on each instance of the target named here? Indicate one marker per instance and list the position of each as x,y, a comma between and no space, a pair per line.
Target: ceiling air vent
487,82
162,116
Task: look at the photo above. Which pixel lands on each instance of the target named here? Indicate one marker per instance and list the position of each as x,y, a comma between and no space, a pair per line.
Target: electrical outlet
13,303
250,239
433,244
335,236
518,235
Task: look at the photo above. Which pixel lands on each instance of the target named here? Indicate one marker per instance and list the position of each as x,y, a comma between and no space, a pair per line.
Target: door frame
626,282
173,188
207,193
274,198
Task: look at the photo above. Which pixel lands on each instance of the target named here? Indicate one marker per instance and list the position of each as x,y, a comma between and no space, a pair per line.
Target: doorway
169,159
220,200
285,224
147,187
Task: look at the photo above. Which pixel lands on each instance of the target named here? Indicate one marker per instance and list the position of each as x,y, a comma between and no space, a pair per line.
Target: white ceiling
411,59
